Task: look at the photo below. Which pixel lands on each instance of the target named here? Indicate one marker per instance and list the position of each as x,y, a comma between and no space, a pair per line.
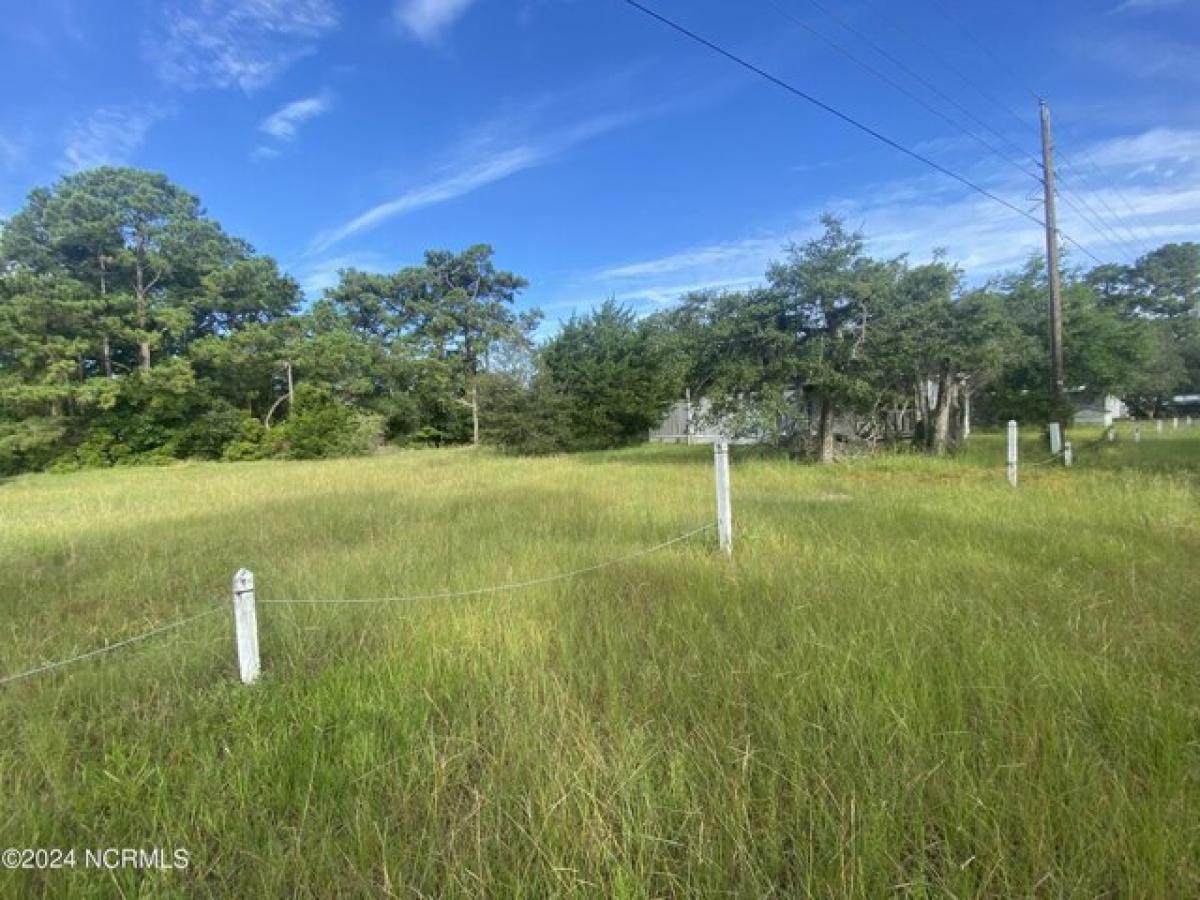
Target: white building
1098,410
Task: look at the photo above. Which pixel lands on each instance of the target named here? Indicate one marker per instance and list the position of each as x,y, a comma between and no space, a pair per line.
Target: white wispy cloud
484,161
1147,56
427,20
1145,6
315,275
709,256
1157,173
235,43
286,121
13,151
109,136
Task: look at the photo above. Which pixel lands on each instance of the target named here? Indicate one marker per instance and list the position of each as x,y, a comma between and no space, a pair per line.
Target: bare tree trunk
141,291
939,435
105,348
825,431
921,409
475,412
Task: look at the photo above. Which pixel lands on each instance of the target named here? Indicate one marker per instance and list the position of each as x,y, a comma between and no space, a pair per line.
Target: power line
917,76
1102,229
1004,66
884,77
1018,79
1092,217
1145,238
937,54
848,119
1101,225
1099,222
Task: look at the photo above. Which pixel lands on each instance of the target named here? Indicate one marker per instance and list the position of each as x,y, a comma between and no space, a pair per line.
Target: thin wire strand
8,679
1017,78
888,80
1143,241
1026,86
1148,236
930,86
1102,229
937,54
850,120
513,586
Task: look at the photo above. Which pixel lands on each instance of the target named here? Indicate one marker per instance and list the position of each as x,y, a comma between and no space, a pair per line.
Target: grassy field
911,679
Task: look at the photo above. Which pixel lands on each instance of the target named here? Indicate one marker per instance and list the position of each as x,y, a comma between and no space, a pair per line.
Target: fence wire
499,588
108,648
514,586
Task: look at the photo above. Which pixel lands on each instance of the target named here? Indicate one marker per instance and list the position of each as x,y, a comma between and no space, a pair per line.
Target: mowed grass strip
911,679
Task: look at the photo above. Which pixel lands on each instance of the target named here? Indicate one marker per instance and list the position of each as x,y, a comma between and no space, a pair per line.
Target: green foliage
912,681
133,328
321,427
529,420
604,370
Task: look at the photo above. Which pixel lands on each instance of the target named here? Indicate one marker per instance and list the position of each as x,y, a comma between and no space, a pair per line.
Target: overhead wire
849,119
886,79
921,79
1021,81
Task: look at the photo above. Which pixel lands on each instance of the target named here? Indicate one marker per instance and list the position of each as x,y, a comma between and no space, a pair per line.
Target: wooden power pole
1057,380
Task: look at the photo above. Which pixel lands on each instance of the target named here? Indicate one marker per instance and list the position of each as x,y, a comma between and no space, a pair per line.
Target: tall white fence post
246,624
1189,421
1137,433
1158,425
724,506
1068,456
1055,438
1175,424
1012,452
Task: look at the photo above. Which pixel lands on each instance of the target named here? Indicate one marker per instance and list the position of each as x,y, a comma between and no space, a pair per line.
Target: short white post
1112,433
1158,425
1137,433
246,624
1055,438
1189,421
1175,424
1012,452
724,506
1068,457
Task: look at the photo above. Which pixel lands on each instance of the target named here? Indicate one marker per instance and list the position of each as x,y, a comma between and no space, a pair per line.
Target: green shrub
321,427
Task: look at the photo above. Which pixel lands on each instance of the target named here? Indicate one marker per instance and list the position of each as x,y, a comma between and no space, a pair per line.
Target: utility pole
1057,380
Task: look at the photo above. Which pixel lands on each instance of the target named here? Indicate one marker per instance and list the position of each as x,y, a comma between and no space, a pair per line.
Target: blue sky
601,154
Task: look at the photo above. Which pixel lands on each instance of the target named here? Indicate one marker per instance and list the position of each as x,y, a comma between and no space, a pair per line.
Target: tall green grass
910,679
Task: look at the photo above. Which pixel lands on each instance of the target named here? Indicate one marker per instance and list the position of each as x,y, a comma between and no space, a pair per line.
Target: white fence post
246,624
1175,424
1112,433
1137,433
1012,452
1068,457
1158,425
724,507
1055,438
1189,421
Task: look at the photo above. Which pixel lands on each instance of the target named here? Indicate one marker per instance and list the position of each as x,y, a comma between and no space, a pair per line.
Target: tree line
134,329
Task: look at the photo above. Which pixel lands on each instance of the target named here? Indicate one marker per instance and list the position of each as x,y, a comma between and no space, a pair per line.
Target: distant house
1184,405
1097,409
691,421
